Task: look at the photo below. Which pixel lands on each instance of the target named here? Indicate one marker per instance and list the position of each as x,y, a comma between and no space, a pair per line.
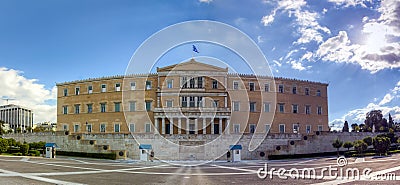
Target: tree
360,146
3,145
353,127
29,129
12,142
337,144
390,122
347,145
368,140
381,144
375,118
345,127
1,127
19,130
362,127
24,149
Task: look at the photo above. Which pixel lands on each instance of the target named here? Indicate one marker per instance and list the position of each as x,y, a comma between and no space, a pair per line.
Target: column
156,126
212,125
171,126
226,102
204,126
187,126
195,101
227,126
163,125
196,131
220,125
179,125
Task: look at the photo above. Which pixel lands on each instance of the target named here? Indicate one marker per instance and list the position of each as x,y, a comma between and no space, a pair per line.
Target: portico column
212,125
179,125
227,126
187,126
156,125
220,125
204,126
196,129
171,126
226,102
163,125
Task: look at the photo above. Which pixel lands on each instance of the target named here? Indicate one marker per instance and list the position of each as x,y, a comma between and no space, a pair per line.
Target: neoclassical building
16,116
192,98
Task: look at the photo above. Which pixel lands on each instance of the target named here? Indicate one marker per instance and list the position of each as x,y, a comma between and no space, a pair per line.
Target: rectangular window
199,101
215,84
252,106
191,83
147,127
295,108
295,128
318,92
267,128
132,106
266,107
131,127
77,89
191,101
133,85
320,127
251,86
191,128
77,107
102,127
280,88
215,103
169,103
117,106
319,110
294,90
308,129
199,82
184,101
307,91
89,108
236,106
65,109
184,82
148,85
281,107
281,128
89,128
116,127
252,128
90,89
266,87
148,106
308,109
169,84
236,128
76,128
102,107
65,127
117,87
235,85
65,92
103,88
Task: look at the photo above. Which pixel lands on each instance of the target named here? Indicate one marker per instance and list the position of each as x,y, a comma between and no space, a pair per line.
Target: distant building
192,98
45,127
16,116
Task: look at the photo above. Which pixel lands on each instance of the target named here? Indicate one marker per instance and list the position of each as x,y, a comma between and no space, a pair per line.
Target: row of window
103,107
117,127
281,107
296,127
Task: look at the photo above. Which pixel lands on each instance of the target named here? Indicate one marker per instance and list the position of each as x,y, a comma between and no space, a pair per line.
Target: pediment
192,65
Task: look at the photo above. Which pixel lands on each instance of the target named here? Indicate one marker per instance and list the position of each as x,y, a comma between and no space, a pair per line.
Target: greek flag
195,49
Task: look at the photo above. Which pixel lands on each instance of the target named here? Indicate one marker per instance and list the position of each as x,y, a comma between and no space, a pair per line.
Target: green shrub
90,155
34,152
17,154
24,149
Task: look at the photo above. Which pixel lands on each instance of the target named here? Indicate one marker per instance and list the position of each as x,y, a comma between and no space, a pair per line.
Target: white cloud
297,65
306,21
348,3
205,1
28,93
324,11
259,39
277,63
358,115
307,56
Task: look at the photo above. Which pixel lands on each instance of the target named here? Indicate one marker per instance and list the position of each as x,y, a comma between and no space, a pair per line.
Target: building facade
16,117
192,98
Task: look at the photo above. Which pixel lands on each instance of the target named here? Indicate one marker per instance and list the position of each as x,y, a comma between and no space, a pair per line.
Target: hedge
34,153
90,155
295,156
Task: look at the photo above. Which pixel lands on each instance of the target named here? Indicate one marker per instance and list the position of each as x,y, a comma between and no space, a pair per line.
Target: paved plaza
69,170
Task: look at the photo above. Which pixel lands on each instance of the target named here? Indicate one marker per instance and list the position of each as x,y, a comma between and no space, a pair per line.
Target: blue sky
351,44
